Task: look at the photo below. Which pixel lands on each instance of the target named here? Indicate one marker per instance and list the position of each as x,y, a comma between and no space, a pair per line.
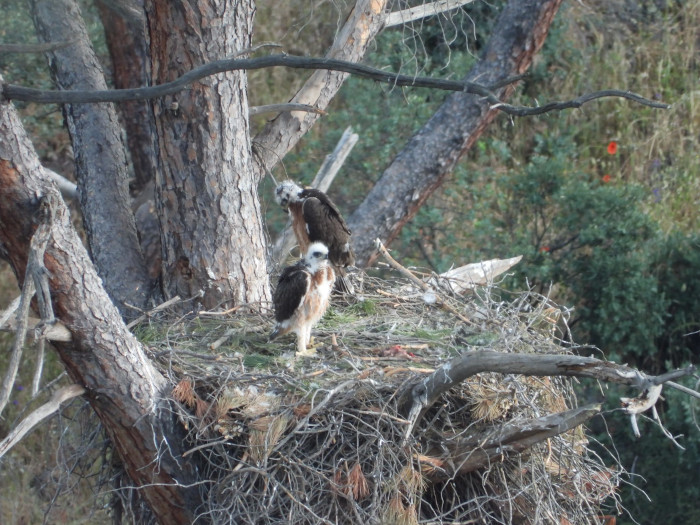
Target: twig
157,309
36,380
683,389
6,314
37,329
422,285
59,397
221,340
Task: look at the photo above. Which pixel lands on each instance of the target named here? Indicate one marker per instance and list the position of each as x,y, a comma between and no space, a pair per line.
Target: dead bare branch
15,92
419,397
412,14
59,397
35,282
422,285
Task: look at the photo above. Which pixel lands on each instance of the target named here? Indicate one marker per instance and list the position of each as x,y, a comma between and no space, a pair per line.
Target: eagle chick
302,295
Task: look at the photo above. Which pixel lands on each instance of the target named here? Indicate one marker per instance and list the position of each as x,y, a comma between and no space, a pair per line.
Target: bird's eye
318,254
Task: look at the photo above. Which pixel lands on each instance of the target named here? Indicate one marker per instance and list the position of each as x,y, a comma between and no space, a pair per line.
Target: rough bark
432,153
213,241
100,158
282,133
123,387
129,52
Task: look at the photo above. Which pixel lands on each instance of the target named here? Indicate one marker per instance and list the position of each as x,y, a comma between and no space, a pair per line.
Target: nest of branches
328,439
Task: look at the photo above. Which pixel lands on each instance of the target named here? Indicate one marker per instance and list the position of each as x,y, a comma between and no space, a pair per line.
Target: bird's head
288,191
316,256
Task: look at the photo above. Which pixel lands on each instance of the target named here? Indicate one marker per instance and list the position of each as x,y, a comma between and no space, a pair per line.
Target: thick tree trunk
430,156
100,158
212,233
123,387
129,51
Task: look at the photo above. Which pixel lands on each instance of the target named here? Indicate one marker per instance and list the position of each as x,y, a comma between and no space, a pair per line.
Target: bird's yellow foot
309,352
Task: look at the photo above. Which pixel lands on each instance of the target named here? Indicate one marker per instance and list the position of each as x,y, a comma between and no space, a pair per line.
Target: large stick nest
321,440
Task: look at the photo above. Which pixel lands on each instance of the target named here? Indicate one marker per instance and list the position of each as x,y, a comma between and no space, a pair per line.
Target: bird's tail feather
342,281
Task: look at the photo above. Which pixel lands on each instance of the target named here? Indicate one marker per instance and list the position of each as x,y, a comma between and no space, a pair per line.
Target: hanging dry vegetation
325,440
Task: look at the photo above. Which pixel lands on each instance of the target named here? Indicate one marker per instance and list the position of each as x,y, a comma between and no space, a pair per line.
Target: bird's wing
324,224
318,205
293,285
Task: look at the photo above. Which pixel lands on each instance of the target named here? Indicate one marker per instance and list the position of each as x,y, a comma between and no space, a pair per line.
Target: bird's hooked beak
284,202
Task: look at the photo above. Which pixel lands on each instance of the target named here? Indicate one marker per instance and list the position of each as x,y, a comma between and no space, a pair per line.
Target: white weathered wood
422,11
469,276
67,188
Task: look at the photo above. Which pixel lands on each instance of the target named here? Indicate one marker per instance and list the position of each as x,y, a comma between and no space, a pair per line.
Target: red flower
612,147
544,249
606,178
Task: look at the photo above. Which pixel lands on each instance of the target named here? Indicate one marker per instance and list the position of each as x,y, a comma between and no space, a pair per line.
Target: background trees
200,172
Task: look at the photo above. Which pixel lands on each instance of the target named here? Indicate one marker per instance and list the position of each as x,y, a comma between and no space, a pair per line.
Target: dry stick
683,389
53,332
7,313
322,181
423,286
59,397
36,380
157,309
14,92
35,281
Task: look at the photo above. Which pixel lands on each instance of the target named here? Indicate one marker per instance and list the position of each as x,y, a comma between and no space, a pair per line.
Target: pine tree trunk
123,387
100,158
131,66
206,191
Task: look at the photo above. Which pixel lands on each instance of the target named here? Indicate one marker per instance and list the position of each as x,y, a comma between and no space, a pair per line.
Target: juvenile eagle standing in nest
302,296
316,218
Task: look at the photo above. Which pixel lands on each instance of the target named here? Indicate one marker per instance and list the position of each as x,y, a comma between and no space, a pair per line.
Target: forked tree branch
15,92
59,397
417,398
